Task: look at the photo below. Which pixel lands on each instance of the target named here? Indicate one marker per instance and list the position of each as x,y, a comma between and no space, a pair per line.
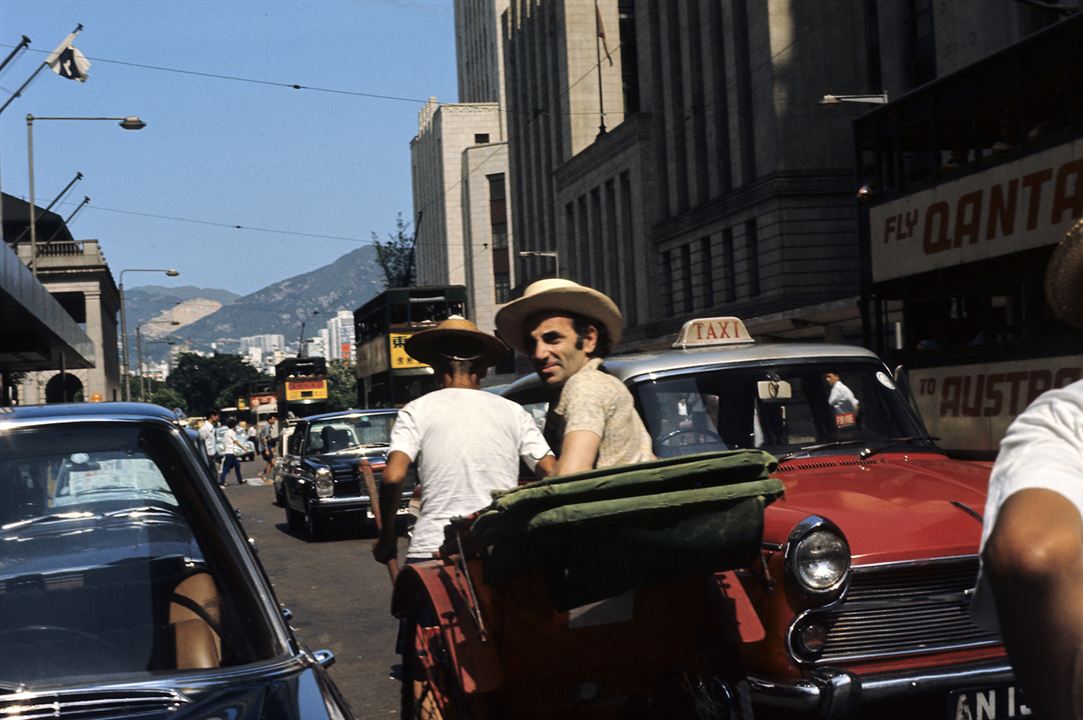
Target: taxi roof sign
704,332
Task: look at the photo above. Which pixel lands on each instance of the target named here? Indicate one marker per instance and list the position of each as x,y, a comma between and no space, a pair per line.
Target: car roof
82,412
347,413
626,367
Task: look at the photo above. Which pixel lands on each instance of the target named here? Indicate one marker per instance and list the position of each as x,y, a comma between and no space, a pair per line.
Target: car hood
890,507
349,458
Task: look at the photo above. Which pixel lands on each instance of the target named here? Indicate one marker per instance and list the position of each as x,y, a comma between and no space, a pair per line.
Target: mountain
184,304
281,307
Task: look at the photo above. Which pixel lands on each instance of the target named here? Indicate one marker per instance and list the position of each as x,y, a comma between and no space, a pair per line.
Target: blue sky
228,152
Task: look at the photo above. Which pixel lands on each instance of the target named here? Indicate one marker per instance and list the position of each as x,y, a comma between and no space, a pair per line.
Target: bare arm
1034,559
545,467
578,452
386,546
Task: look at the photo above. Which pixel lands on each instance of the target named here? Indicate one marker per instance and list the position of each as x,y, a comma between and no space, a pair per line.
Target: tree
341,385
396,256
202,380
168,398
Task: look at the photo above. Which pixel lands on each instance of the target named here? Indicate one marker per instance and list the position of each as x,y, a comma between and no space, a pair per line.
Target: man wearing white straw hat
566,329
1032,540
466,442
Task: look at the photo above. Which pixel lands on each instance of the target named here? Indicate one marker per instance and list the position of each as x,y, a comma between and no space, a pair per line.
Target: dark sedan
321,485
127,585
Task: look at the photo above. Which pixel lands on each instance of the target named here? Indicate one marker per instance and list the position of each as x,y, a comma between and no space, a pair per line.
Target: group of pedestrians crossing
225,445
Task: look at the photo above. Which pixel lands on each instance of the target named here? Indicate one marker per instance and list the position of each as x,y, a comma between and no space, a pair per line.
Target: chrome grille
347,482
898,609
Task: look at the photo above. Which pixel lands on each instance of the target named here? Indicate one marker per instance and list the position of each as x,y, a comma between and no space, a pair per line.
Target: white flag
67,61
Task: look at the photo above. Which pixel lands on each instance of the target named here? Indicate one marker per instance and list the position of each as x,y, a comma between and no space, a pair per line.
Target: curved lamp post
128,123
124,365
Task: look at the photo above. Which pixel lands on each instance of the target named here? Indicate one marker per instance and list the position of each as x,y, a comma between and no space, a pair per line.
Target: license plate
1000,702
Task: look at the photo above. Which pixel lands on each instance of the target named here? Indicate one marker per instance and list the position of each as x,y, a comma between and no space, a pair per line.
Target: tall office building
340,337
459,162
668,163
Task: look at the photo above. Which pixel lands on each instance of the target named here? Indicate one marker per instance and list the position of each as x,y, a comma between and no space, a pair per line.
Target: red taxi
860,608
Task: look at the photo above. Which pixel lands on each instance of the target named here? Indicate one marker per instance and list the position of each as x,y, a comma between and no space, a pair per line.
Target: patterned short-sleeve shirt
594,400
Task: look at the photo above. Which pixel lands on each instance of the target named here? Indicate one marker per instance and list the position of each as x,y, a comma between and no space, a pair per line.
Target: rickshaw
604,594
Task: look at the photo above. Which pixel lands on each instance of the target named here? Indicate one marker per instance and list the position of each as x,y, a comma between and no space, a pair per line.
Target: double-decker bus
970,181
301,386
386,375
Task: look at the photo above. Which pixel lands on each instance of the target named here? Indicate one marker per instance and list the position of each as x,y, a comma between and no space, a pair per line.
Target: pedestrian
231,448
252,433
842,400
209,436
1031,580
268,437
567,329
465,442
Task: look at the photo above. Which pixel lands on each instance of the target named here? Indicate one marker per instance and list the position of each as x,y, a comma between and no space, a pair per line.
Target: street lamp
124,367
139,350
128,123
874,99
544,253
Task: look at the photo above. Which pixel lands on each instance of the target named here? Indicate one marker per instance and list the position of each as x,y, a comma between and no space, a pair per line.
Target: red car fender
727,590
475,660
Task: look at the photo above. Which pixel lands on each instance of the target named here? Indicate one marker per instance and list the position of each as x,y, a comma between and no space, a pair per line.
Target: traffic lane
340,597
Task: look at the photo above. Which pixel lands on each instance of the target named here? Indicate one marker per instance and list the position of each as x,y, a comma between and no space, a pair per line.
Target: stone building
76,275
679,178
459,165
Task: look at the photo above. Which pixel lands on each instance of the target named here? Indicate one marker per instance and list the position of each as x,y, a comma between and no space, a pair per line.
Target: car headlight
818,556
324,482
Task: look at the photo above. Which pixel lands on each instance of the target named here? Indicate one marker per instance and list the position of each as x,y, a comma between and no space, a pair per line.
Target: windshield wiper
885,444
819,446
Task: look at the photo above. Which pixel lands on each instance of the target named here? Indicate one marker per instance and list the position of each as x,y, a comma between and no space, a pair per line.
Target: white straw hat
557,295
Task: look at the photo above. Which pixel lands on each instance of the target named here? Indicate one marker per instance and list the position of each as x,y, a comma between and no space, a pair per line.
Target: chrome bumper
834,693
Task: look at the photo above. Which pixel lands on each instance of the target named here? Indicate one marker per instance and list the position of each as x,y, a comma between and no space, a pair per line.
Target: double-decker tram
301,386
386,375
969,183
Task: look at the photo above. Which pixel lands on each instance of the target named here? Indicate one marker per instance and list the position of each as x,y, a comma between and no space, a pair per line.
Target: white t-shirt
466,443
1043,448
842,398
208,435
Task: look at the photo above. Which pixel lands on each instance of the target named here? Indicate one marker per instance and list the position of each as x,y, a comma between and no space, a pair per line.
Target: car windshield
345,433
786,409
113,563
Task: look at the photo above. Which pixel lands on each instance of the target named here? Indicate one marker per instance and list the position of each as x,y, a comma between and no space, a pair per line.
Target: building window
628,233
667,284
752,257
629,55
481,138
706,272
498,211
729,274
502,286
686,276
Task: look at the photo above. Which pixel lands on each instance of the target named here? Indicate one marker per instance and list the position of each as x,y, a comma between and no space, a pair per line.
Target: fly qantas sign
1016,206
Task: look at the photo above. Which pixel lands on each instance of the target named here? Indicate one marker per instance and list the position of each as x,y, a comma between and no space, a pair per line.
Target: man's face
831,378
552,341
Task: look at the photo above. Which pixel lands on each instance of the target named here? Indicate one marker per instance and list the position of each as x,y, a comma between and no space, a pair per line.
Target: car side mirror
325,658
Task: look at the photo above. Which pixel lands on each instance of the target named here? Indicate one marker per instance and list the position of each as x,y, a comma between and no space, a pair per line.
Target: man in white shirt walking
466,442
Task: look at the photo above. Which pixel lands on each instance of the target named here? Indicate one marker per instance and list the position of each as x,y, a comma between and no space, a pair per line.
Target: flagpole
23,44
598,57
49,58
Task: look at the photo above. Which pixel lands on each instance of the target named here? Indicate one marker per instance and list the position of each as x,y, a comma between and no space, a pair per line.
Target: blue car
127,585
